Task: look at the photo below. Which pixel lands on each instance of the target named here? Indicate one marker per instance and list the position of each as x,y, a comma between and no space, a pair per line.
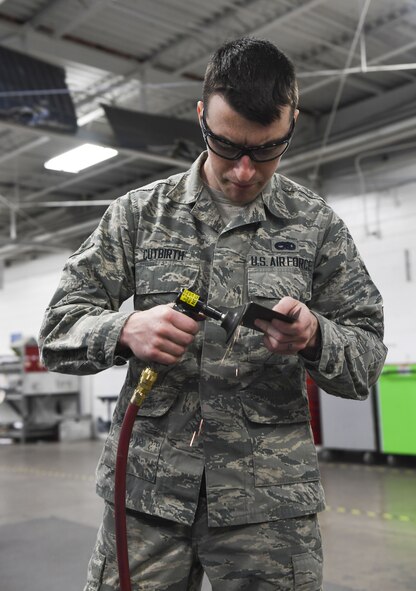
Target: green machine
397,408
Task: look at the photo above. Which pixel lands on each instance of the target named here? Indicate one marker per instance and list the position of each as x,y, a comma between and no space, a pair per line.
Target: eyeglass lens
261,154
227,150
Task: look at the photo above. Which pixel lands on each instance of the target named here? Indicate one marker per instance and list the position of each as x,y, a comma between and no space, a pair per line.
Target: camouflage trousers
284,555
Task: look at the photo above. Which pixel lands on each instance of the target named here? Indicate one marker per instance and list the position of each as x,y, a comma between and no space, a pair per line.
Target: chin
243,200
241,196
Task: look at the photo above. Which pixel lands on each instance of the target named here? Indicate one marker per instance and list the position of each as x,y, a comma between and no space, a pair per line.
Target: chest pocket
268,288
159,283
277,282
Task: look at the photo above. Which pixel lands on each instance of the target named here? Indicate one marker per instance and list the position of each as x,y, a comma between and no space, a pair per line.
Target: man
222,474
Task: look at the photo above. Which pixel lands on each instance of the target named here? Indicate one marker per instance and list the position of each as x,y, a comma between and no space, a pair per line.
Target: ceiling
356,63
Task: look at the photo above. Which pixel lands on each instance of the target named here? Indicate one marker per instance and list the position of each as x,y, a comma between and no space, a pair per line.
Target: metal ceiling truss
353,95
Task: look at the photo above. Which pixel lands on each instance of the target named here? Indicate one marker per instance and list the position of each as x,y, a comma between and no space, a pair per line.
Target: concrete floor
369,528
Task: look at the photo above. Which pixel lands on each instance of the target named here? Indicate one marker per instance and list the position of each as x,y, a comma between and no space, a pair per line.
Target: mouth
242,185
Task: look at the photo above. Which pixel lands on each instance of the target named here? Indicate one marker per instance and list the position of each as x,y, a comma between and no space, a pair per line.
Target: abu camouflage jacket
255,443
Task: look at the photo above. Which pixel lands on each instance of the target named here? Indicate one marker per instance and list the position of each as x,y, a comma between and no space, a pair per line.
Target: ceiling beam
64,51
382,136
281,20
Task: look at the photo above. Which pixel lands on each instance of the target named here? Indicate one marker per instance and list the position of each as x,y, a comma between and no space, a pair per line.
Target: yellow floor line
47,473
386,516
343,466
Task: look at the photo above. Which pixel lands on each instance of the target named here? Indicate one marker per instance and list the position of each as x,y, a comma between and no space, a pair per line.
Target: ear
199,109
295,114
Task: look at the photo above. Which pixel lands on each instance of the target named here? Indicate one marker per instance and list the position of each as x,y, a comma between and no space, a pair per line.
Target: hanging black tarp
143,131
34,93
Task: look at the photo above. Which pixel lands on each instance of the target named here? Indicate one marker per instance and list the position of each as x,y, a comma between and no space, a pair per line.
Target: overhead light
91,116
80,158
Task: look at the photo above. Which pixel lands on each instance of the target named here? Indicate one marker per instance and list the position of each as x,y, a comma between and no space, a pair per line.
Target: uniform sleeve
349,309
82,323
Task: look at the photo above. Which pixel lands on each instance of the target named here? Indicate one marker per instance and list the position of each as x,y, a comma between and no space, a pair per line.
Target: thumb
288,306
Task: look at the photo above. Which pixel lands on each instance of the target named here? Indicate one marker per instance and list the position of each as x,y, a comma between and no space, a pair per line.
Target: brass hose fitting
147,378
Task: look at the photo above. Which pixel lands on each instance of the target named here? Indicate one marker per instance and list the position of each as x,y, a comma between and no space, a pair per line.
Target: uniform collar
189,185
277,196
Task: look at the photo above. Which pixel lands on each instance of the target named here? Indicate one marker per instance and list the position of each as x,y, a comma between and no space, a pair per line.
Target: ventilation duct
34,93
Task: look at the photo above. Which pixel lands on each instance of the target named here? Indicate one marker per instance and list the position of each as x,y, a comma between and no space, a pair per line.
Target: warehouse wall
26,292
383,227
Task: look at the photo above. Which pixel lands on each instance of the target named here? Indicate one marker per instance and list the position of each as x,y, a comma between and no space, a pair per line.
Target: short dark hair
254,77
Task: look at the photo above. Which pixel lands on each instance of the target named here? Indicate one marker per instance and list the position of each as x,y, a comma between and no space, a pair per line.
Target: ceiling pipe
340,89
358,70
363,186
350,147
24,148
42,241
72,203
388,134
83,136
82,228
301,161
261,31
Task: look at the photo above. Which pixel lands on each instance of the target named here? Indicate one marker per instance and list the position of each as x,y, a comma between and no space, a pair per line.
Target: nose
244,169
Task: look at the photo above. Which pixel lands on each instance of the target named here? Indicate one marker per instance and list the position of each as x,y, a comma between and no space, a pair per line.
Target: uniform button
100,356
119,360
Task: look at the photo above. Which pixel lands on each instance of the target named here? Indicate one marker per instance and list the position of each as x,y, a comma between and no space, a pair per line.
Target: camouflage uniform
256,445
282,555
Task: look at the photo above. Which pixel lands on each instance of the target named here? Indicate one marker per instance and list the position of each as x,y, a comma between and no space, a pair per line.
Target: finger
169,336
161,358
283,342
279,344
185,323
175,326
170,348
277,328
163,351
288,306
288,331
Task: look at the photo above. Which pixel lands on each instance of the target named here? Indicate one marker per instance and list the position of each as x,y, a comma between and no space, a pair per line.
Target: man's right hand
160,334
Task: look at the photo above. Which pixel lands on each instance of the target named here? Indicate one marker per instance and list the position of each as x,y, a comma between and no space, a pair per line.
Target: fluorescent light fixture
80,158
91,116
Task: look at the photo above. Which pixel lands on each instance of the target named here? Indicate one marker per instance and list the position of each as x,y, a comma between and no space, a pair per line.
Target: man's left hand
302,336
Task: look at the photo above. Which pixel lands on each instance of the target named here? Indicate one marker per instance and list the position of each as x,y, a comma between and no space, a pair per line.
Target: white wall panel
386,239
26,292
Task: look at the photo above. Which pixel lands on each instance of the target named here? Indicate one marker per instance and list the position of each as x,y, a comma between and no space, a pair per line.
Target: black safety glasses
230,151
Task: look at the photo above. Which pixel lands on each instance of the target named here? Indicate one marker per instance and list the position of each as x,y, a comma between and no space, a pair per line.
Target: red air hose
147,379
188,303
